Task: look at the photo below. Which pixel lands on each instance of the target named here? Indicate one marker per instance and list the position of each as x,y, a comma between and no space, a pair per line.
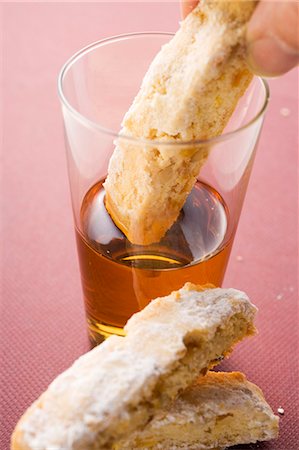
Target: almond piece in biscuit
117,387
189,92
219,410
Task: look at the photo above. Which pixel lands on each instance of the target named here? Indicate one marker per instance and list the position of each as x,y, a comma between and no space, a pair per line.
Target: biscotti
219,410
189,93
117,387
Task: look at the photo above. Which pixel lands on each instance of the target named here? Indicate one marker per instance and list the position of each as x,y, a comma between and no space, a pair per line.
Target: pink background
42,320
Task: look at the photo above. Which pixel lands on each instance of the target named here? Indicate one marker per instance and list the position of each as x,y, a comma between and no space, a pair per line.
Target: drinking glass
96,87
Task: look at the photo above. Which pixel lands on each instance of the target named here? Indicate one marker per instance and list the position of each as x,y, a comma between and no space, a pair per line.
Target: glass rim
97,126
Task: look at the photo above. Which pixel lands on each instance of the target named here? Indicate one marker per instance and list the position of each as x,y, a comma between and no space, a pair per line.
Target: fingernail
270,57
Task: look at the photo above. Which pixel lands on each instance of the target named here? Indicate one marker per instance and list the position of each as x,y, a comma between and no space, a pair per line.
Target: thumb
273,37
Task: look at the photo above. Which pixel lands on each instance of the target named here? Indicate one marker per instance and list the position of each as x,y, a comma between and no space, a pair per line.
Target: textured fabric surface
42,319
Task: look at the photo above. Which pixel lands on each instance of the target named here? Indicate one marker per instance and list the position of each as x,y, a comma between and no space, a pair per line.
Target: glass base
98,332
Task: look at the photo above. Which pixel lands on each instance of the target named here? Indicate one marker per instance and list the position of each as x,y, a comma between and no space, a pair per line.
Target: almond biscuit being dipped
189,92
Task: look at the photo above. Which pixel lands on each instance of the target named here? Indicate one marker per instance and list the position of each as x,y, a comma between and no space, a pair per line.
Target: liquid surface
120,278
198,232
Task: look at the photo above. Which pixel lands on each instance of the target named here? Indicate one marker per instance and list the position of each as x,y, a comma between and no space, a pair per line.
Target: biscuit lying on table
219,410
189,92
117,387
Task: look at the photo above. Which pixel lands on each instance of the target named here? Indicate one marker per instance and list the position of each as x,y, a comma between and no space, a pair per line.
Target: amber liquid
120,278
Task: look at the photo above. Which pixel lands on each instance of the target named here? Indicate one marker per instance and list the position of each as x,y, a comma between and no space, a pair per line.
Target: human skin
272,36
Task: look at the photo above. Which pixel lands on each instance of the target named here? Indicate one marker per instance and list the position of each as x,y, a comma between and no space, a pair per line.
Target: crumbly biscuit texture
189,92
219,410
117,387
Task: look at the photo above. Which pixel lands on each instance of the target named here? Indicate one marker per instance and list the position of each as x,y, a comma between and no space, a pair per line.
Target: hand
272,36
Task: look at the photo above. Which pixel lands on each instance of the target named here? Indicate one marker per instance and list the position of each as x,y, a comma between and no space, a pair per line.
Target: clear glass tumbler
96,87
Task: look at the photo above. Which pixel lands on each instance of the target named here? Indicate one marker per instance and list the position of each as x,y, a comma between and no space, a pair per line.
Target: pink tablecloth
42,320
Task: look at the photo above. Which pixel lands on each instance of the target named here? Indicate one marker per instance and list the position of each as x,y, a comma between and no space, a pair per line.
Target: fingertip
267,57
272,46
187,6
